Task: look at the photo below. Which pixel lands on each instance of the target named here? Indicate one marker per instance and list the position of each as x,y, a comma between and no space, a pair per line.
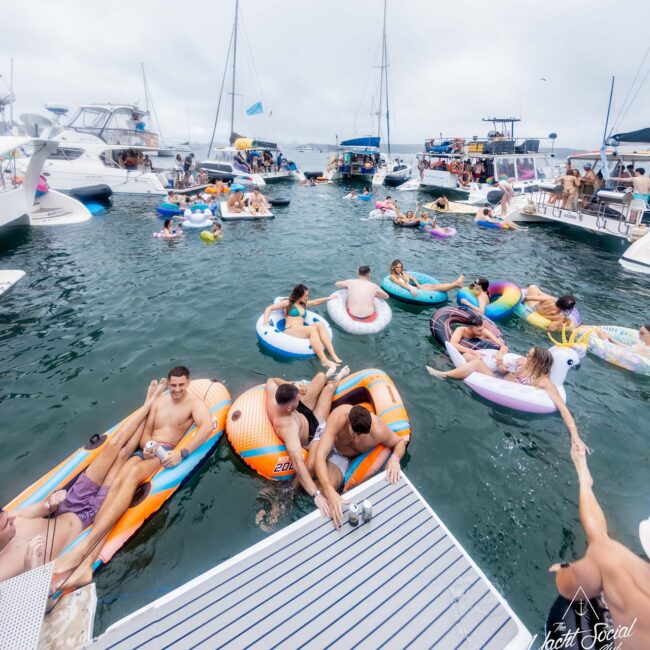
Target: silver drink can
150,446
367,510
160,452
353,514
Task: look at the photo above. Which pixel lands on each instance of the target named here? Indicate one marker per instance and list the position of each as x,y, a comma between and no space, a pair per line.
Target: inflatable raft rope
152,494
251,435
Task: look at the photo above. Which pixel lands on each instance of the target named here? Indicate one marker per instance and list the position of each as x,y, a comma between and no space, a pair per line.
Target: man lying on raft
350,431
32,536
399,276
608,567
169,417
533,370
487,214
298,415
557,310
362,292
475,330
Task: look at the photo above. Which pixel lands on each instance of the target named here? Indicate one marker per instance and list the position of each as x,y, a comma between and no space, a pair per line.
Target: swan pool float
513,394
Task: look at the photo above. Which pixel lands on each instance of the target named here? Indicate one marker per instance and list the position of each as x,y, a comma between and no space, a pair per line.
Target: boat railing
609,208
491,146
126,137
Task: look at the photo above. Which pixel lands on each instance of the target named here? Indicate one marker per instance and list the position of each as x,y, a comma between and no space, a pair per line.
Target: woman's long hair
395,263
539,363
296,294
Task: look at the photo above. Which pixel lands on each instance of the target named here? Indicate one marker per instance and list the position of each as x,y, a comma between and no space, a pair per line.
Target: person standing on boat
607,567
640,184
36,534
362,292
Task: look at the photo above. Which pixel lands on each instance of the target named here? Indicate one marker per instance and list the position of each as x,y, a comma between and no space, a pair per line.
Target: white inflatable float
227,215
512,394
273,337
8,279
197,219
337,309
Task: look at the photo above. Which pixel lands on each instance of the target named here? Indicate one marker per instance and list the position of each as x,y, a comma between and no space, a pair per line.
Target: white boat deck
399,580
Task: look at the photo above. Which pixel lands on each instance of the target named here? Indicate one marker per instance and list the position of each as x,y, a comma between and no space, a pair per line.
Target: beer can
353,514
367,510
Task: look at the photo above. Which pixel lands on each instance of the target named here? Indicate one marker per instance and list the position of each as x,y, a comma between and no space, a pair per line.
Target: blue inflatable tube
364,197
167,212
492,224
421,297
504,297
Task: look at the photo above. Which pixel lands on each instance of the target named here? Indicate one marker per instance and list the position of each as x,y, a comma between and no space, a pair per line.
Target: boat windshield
121,125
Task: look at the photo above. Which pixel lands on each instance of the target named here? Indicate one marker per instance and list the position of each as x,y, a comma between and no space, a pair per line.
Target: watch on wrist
313,496
564,565
184,453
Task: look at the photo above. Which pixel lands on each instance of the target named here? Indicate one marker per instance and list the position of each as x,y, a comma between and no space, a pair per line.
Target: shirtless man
298,415
169,418
487,214
236,202
361,296
557,310
350,431
641,186
29,536
475,330
607,567
257,202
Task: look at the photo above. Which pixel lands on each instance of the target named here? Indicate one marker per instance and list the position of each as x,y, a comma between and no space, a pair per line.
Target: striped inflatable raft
252,437
151,495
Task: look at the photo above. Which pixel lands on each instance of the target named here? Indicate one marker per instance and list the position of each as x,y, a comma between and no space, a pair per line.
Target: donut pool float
440,232
534,318
422,297
272,335
445,320
253,439
337,309
504,298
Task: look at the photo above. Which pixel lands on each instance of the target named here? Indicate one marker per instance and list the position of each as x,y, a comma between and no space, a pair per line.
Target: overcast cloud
452,63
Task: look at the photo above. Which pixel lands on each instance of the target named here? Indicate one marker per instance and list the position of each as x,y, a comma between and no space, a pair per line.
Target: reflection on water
105,307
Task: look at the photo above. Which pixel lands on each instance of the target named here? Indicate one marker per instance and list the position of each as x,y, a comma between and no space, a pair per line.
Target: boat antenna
609,108
234,70
223,83
11,92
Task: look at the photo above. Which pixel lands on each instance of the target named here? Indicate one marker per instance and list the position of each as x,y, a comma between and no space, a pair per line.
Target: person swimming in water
557,310
399,276
295,307
533,370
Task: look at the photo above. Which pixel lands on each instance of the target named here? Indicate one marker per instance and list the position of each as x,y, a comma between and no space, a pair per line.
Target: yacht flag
255,109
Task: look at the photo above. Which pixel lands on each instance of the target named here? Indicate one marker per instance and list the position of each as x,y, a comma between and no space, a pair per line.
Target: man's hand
172,459
55,500
35,553
336,503
323,506
393,470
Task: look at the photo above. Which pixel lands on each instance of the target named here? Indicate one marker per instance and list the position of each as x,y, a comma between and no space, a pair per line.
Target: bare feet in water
436,373
460,280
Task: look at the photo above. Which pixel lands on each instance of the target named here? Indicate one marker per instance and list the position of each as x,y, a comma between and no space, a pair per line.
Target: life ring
443,322
455,167
619,355
457,144
252,437
421,297
504,298
337,309
519,397
273,337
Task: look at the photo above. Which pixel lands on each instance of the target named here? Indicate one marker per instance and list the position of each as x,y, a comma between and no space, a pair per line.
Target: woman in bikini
399,276
533,370
294,308
479,288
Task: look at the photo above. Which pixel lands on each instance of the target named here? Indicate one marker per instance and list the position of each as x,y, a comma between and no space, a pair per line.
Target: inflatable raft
458,208
152,494
252,437
227,215
621,355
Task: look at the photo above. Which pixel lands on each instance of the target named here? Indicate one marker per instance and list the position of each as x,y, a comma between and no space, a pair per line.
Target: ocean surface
105,308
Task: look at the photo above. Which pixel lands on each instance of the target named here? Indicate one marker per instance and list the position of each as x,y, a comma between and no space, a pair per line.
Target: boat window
89,118
110,157
525,169
123,118
66,153
545,168
505,168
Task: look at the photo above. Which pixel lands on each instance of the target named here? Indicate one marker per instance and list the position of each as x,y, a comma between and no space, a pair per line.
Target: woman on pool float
480,288
558,310
408,219
399,276
294,308
534,370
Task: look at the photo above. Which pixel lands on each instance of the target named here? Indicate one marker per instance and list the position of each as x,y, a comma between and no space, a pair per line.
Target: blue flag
255,109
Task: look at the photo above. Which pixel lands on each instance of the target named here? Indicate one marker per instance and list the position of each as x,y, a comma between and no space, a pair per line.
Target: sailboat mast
385,84
234,70
609,108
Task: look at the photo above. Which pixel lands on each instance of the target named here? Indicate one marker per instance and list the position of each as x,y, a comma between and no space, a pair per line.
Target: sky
314,65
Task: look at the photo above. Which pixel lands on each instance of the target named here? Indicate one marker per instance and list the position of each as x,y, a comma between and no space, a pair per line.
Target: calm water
105,308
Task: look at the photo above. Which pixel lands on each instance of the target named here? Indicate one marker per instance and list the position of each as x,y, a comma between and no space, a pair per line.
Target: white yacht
356,159
247,161
465,169
100,146
25,198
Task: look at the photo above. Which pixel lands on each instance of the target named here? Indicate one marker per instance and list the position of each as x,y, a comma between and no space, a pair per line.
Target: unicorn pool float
522,397
197,218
